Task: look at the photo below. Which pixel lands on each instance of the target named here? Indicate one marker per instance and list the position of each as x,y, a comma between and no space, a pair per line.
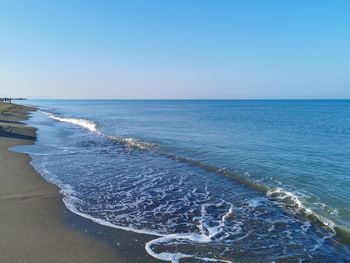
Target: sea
212,180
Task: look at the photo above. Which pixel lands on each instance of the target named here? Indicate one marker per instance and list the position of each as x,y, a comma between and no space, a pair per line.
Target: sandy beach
34,225
30,209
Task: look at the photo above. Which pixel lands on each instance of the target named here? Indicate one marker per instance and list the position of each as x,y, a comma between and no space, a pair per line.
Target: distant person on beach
9,100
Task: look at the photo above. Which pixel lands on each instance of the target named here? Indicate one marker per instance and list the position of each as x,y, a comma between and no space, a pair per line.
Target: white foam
87,124
283,194
256,202
71,207
91,126
70,202
295,201
131,142
175,257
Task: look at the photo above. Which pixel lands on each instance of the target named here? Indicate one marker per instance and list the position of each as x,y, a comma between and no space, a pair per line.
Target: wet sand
34,224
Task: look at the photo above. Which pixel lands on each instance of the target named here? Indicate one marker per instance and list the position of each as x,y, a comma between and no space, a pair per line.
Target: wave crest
87,124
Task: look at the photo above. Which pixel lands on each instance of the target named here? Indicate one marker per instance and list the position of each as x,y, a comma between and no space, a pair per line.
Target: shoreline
35,225
106,240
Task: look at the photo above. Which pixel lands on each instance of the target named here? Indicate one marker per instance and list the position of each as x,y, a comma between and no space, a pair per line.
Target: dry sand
32,228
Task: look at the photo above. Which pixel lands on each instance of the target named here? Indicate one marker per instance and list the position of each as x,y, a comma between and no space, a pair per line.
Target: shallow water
236,181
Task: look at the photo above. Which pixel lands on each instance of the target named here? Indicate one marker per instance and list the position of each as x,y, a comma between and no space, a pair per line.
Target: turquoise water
206,175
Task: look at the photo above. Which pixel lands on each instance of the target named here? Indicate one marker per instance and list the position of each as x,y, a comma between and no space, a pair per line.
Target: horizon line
183,99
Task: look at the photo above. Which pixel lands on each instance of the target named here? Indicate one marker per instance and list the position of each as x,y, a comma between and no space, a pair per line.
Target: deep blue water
233,180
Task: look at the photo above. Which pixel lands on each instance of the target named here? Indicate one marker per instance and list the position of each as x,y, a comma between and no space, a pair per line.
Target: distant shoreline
182,99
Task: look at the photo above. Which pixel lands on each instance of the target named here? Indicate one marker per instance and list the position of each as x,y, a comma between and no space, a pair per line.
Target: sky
175,49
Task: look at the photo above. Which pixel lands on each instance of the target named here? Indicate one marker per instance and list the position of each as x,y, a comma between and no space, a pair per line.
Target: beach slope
31,221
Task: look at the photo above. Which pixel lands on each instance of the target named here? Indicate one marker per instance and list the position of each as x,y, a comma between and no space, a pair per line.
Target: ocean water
214,181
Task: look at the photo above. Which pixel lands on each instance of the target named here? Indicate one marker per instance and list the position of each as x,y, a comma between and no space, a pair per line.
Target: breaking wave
87,124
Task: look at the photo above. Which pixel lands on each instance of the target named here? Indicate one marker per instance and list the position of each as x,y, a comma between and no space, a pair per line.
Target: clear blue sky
175,49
